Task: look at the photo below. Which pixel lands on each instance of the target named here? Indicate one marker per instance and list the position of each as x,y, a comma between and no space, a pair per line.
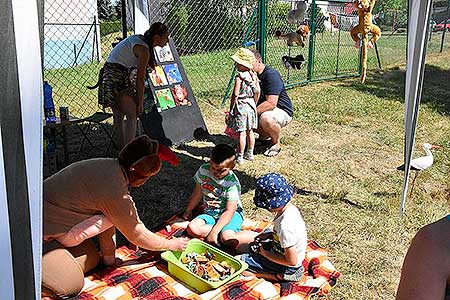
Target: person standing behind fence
243,118
121,80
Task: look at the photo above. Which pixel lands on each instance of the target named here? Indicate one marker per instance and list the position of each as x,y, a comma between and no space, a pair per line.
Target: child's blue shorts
259,264
234,224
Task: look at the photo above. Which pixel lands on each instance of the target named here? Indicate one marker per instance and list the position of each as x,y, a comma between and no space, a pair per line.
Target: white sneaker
249,156
239,160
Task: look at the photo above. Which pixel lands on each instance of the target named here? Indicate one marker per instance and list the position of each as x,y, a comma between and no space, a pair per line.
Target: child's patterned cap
272,191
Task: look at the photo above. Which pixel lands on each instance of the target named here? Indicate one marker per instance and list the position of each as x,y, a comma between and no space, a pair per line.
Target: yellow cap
244,57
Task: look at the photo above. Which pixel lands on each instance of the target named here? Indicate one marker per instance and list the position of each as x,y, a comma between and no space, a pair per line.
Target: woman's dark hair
156,28
222,152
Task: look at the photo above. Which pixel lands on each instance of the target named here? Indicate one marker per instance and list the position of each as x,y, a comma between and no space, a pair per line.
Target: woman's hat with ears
146,153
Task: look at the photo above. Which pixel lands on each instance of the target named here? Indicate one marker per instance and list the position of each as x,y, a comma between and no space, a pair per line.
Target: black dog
293,62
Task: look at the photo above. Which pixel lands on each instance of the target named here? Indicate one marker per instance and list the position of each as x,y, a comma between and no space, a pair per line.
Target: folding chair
97,118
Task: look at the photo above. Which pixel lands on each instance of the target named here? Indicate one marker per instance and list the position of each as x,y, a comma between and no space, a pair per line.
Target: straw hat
244,57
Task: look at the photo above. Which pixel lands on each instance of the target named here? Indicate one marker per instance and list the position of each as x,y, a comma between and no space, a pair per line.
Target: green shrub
199,26
277,17
108,27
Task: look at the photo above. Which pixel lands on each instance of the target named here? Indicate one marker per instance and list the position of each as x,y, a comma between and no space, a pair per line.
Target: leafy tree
391,5
118,9
206,25
105,10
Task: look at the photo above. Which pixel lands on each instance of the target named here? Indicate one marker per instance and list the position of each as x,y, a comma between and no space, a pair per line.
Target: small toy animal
297,37
263,240
293,62
297,15
364,27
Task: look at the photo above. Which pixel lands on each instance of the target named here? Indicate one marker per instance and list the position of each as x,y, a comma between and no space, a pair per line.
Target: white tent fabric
20,150
30,87
6,267
418,18
141,16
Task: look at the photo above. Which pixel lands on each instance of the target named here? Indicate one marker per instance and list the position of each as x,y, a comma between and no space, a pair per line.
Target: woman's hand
140,109
187,214
178,244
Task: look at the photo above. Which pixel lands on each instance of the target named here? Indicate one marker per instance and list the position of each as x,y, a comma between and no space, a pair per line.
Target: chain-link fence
78,36
207,33
328,51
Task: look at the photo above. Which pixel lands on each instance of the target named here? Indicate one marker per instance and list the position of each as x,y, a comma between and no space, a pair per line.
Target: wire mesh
78,36
333,54
334,51
206,34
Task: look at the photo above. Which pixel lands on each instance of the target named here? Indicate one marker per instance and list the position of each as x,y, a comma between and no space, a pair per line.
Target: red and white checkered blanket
144,276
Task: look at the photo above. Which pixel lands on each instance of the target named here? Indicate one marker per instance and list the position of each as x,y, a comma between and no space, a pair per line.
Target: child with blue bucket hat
278,255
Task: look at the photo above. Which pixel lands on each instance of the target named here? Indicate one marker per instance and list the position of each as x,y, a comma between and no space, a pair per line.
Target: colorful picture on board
157,77
164,54
165,99
180,95
172,73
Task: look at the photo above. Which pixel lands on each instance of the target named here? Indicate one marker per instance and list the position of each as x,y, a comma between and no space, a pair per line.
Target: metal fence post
124,19
337,52
312,39
261,29
445,26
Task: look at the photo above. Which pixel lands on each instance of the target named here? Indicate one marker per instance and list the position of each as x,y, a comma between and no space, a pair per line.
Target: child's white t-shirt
290,230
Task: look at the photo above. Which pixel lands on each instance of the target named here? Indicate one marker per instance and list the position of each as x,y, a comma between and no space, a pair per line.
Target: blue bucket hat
272,191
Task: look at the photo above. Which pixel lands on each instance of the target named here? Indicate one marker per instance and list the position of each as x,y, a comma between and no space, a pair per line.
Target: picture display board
171,114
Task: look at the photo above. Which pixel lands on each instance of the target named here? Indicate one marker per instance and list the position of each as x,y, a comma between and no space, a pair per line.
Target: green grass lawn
342,150
209,73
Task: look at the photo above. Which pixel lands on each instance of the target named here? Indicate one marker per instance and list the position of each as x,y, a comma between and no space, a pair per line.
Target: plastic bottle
49,106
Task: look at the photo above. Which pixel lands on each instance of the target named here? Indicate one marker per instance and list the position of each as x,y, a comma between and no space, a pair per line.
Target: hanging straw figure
365,26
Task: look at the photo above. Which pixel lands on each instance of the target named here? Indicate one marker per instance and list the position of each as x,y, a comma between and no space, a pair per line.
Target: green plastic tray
178,269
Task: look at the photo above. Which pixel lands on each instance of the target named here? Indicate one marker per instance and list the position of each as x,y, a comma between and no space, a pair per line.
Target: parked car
440,26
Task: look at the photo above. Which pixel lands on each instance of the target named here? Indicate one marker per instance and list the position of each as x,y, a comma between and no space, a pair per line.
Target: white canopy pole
418,19
141,16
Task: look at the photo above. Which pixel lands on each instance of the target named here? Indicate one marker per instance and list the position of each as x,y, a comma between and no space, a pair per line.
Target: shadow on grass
166,194
332,198
163,195
391,84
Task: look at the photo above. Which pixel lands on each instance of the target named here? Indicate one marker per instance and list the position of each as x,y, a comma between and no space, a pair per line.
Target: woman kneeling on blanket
91,198
278,255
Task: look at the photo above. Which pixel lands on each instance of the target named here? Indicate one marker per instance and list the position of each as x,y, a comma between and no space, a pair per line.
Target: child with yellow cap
243,117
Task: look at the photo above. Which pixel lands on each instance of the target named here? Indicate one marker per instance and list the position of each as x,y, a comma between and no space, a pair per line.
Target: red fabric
144,276
168,155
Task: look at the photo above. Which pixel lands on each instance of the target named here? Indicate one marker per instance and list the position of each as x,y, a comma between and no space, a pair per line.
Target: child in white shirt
278,255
